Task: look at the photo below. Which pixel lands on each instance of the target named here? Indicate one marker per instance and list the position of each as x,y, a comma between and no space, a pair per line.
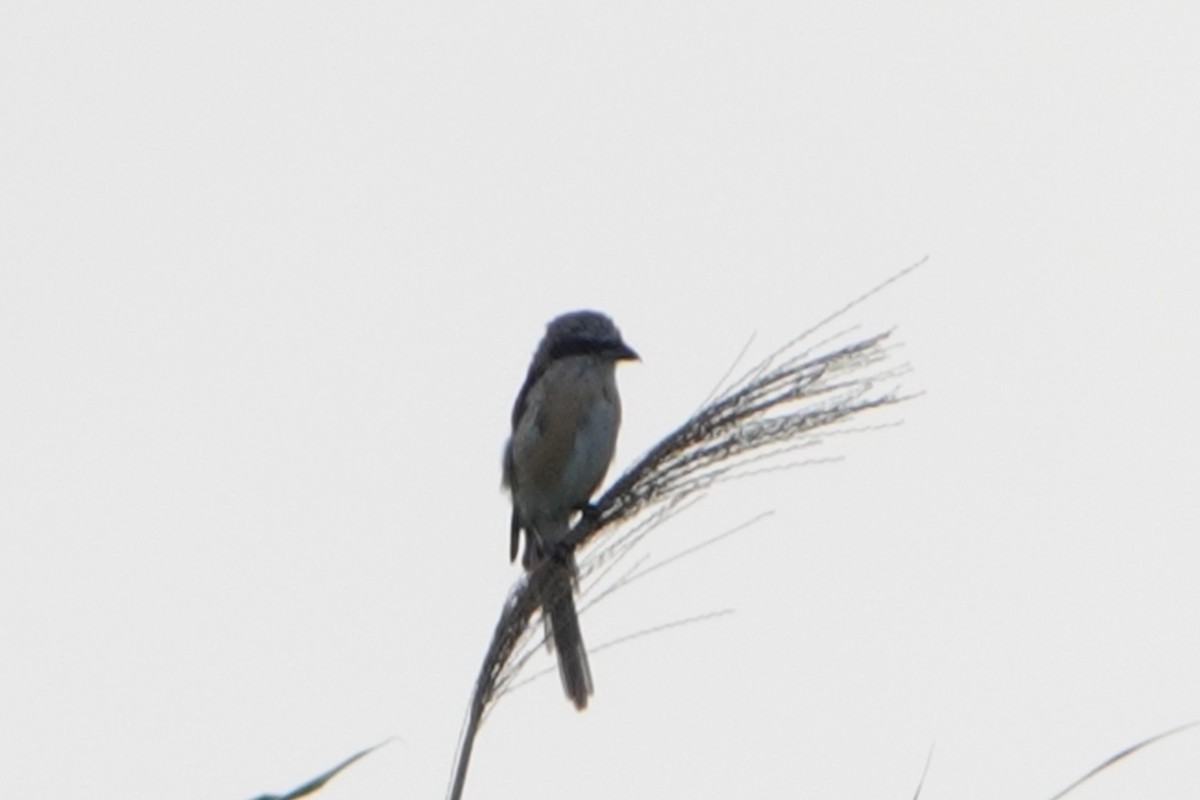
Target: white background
271,275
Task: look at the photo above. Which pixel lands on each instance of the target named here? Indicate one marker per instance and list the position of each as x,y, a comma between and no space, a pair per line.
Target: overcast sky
271,277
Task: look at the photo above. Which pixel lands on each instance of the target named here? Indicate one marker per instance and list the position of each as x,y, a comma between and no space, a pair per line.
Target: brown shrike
565,425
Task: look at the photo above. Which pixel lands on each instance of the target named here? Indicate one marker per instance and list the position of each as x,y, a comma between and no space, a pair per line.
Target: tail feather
558,605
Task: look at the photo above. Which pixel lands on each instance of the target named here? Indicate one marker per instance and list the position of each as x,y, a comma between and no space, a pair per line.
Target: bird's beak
624,352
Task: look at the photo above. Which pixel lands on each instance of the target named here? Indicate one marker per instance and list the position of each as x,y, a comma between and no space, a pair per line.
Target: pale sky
272,274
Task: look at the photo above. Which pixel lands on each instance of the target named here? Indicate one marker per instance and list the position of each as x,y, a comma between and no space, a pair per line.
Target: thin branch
666,626
1128,751
733,365
924,774
687,552
322,779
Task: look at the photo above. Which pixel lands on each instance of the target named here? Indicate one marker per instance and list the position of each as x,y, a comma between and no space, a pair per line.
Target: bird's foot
560,552
590,512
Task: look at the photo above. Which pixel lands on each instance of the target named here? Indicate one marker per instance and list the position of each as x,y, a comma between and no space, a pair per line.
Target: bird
564,431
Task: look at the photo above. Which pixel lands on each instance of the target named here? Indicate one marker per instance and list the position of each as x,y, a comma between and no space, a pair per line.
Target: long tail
558,604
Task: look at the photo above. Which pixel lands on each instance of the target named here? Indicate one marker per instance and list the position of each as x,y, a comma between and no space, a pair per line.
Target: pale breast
562,448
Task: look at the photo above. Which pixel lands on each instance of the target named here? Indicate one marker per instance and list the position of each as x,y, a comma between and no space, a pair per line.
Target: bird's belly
589,458
568,468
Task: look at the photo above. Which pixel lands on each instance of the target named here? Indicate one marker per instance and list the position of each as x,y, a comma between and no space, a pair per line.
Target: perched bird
564,431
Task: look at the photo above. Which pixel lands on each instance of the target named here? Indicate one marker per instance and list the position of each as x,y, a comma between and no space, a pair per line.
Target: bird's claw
590,512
